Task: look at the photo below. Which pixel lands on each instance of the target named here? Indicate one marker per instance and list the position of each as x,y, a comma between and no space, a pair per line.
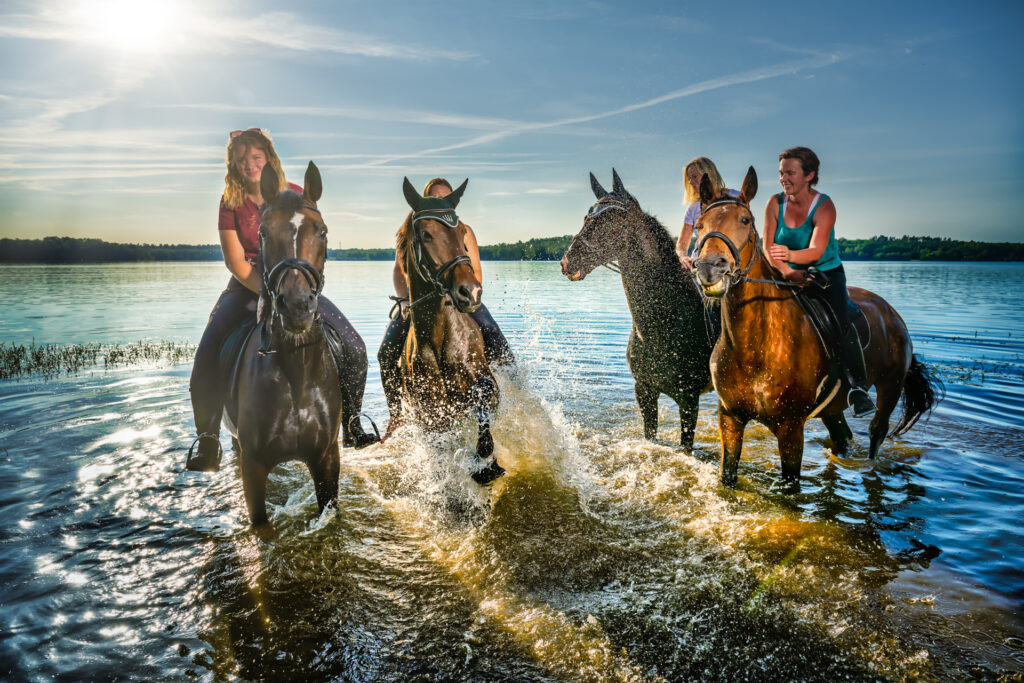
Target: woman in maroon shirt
238,225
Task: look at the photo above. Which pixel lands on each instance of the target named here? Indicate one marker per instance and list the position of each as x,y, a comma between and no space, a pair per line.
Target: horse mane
663,241
403,238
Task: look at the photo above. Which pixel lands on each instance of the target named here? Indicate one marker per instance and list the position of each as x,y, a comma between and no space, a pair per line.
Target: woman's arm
683,245
234,259
473,249
824,223
771,221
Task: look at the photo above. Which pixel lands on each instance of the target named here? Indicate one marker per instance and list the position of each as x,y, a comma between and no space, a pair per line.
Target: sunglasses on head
235,133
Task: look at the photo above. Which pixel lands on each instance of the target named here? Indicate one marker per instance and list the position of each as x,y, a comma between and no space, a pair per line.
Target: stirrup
860,402
200,463
362,439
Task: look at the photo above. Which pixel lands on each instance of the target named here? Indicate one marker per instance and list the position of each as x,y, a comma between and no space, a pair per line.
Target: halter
738,274
602,205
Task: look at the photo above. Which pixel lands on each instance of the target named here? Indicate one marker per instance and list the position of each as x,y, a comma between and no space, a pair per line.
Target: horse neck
299,357
426,317
652,276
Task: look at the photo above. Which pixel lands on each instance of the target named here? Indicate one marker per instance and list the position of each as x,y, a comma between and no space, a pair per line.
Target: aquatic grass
53,360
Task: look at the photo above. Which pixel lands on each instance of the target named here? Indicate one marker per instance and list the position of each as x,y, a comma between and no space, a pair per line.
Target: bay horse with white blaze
672,335
286,400
768,363
443,365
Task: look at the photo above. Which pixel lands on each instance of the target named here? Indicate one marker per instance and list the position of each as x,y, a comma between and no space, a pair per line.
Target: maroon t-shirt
245,220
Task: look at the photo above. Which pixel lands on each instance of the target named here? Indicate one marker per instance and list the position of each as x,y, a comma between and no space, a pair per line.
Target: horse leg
790,434
688,421
254,485
484,390
647,399
325,476
887,396
730,428
838,431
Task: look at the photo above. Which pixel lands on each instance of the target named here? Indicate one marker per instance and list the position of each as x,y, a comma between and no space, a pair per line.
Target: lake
600,556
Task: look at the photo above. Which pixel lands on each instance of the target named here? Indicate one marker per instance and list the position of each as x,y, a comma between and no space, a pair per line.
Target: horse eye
745,221
427,237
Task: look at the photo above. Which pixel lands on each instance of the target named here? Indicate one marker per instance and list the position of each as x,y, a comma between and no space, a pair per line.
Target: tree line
63,250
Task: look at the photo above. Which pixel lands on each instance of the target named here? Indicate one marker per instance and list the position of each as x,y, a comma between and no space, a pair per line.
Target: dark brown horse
769,363
672,335
444,369
285,402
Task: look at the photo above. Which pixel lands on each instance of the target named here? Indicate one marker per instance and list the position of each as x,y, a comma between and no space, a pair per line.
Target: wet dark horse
444,368
285,401
672,336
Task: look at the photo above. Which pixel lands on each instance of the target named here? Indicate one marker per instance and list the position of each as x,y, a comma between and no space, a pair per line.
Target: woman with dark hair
811,243
495,345
248,151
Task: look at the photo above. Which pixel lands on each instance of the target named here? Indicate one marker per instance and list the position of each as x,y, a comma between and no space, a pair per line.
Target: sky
114,114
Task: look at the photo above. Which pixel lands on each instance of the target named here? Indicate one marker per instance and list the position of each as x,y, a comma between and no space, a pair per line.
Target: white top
693,212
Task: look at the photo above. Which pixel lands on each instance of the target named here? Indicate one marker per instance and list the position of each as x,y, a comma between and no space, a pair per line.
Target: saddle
815,305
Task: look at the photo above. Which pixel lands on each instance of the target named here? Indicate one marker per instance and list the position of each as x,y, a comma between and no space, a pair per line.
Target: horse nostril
565,264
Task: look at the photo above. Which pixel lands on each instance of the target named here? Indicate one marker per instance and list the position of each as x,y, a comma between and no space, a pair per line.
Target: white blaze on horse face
297,223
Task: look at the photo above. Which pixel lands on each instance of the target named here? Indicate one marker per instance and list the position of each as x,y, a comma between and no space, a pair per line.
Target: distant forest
73,250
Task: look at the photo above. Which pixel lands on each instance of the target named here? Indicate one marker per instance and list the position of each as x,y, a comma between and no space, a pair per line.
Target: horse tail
921,391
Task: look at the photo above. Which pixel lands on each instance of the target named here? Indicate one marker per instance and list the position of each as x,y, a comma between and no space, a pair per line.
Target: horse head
600,239
726,227
435,248
293,249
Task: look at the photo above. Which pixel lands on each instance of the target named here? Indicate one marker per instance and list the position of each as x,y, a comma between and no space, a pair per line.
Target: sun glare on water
130,25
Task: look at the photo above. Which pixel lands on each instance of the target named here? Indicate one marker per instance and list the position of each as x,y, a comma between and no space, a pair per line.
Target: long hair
702,165
234,181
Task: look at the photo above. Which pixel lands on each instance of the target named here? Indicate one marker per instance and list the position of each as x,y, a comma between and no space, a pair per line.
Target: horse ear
269,184
456,195
596,187
617,186
749,188
411,195
706,193
314,187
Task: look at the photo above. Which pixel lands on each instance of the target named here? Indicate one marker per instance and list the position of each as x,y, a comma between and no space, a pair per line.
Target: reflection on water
600,555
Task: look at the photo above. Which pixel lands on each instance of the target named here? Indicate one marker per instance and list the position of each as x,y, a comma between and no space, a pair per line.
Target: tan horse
444,368
769,363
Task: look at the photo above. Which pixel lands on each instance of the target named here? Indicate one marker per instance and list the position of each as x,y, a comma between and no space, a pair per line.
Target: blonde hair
702,165
234,182
434,182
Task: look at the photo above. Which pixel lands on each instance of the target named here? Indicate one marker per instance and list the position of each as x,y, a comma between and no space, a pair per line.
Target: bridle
739,272
426,269
602,205
272,279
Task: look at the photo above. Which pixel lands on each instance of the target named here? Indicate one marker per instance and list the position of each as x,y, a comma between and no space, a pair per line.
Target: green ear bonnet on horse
441,209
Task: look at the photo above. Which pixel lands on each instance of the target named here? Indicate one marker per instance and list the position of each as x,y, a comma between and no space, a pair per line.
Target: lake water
600,556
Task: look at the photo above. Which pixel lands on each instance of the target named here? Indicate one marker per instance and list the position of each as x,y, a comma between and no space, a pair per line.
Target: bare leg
254,485
647,399
731,430
790,434
838,431
325,476
888,395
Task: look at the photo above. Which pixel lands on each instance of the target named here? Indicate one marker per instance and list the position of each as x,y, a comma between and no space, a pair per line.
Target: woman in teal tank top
811,242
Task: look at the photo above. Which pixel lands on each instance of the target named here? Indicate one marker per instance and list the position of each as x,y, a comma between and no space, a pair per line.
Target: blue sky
114,121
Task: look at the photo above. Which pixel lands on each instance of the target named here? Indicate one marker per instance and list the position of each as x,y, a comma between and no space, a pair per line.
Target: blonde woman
692,174
238,225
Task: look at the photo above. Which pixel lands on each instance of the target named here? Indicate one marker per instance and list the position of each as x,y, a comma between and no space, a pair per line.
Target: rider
812,243
496,347
692,174
248,152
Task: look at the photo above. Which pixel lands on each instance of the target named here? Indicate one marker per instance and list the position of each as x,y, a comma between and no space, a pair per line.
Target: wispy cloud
545,190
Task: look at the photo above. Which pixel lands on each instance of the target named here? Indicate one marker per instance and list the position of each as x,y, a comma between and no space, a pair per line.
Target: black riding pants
838,297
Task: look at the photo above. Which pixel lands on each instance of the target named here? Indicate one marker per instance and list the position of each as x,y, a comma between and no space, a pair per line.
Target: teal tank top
800,237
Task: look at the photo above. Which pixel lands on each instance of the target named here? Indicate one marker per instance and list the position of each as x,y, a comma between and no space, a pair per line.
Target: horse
672,336
443,366
285,401
769,364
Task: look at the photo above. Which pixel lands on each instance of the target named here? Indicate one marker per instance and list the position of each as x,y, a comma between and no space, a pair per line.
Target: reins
428,273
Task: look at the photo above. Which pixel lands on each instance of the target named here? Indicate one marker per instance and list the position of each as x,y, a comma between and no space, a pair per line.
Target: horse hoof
264,531
729,480
488,474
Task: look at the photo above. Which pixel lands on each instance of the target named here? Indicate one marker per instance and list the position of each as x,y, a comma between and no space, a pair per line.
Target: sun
131,25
